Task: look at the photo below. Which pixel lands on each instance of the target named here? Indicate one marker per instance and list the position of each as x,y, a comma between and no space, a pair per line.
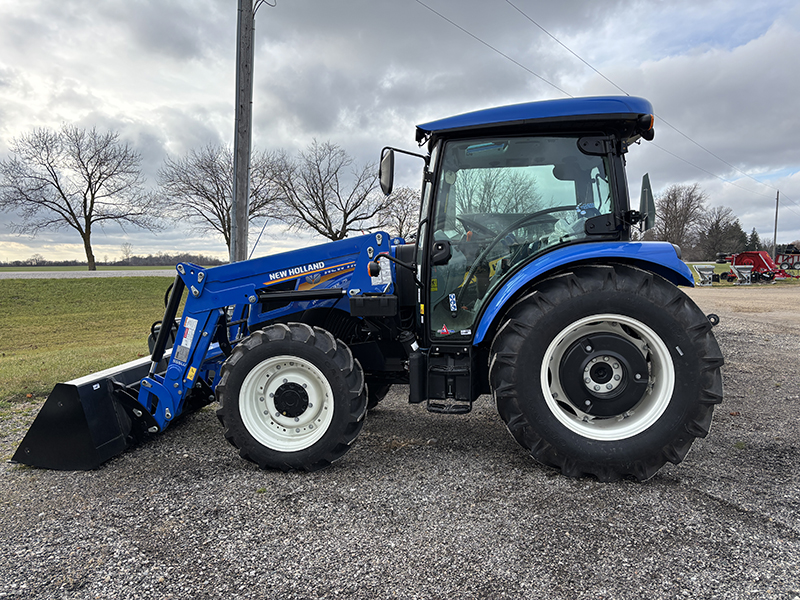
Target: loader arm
321,276
89,420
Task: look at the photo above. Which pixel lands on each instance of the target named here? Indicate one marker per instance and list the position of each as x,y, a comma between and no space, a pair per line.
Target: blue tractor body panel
595,108
657,257
320,276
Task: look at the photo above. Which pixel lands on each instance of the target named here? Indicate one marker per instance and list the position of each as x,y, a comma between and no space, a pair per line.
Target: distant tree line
161,259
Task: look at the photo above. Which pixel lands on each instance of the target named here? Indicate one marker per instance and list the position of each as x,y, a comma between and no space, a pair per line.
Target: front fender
660,258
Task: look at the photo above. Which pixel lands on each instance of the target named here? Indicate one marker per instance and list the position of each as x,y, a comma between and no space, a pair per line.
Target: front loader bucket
86,421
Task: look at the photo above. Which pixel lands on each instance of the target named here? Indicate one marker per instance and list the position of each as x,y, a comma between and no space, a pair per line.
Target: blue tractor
522,282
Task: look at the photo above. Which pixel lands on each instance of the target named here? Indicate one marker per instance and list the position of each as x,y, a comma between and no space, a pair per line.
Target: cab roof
563,109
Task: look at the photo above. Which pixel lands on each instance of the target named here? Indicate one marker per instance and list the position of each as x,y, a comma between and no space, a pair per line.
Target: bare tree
720,232
36,260
75,178
401,215
199,188
679,211
323,190
496,190
127,251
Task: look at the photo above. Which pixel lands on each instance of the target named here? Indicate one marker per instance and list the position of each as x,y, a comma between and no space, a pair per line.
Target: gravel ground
433,506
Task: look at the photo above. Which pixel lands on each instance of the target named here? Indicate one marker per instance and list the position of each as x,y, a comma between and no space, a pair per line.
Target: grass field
83,268
59,329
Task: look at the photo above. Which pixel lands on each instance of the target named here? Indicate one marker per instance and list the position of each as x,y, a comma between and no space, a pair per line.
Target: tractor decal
294,272
312,281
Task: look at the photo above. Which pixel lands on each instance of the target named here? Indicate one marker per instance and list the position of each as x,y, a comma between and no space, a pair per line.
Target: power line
488,45
567,48
722,179
668,124
663,120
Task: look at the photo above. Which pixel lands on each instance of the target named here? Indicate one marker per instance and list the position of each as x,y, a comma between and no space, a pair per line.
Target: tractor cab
501,202
504,187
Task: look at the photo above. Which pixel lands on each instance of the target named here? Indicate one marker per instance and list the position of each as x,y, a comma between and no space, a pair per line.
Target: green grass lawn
83,268
59,329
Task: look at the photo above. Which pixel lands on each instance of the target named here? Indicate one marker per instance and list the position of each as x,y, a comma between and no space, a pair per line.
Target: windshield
500,202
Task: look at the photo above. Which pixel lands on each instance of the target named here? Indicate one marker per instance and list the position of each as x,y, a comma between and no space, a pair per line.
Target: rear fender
660,258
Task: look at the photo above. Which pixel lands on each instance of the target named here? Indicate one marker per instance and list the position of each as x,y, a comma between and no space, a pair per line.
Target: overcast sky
363,73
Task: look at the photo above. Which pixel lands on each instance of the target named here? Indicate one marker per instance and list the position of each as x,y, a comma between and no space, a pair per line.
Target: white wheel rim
640,417
263,419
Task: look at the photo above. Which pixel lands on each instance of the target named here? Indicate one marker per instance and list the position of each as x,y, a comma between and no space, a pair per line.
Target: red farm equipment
789,259
752,266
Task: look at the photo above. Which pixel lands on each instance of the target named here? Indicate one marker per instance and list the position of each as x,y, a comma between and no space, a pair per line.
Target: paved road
84,274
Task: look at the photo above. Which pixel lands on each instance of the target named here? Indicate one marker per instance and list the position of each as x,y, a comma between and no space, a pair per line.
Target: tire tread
532,308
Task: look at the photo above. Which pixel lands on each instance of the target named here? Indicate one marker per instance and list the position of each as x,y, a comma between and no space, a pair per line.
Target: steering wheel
521,222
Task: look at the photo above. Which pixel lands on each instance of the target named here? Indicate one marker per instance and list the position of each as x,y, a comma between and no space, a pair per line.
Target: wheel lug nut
609,386
616,377
596,388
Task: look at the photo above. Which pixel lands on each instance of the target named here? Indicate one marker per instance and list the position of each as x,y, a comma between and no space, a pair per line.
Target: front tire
376,391
608,371
292,397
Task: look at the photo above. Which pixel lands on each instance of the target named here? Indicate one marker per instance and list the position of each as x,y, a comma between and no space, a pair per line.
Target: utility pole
775,236
245,46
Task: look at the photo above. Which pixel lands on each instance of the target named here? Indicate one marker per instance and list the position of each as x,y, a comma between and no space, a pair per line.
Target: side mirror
386,171
647,206
441,252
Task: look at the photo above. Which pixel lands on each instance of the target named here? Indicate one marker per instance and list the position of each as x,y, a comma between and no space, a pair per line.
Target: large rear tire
292,397
608,371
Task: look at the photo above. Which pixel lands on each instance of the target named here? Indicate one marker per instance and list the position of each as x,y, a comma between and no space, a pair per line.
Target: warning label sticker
189,328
